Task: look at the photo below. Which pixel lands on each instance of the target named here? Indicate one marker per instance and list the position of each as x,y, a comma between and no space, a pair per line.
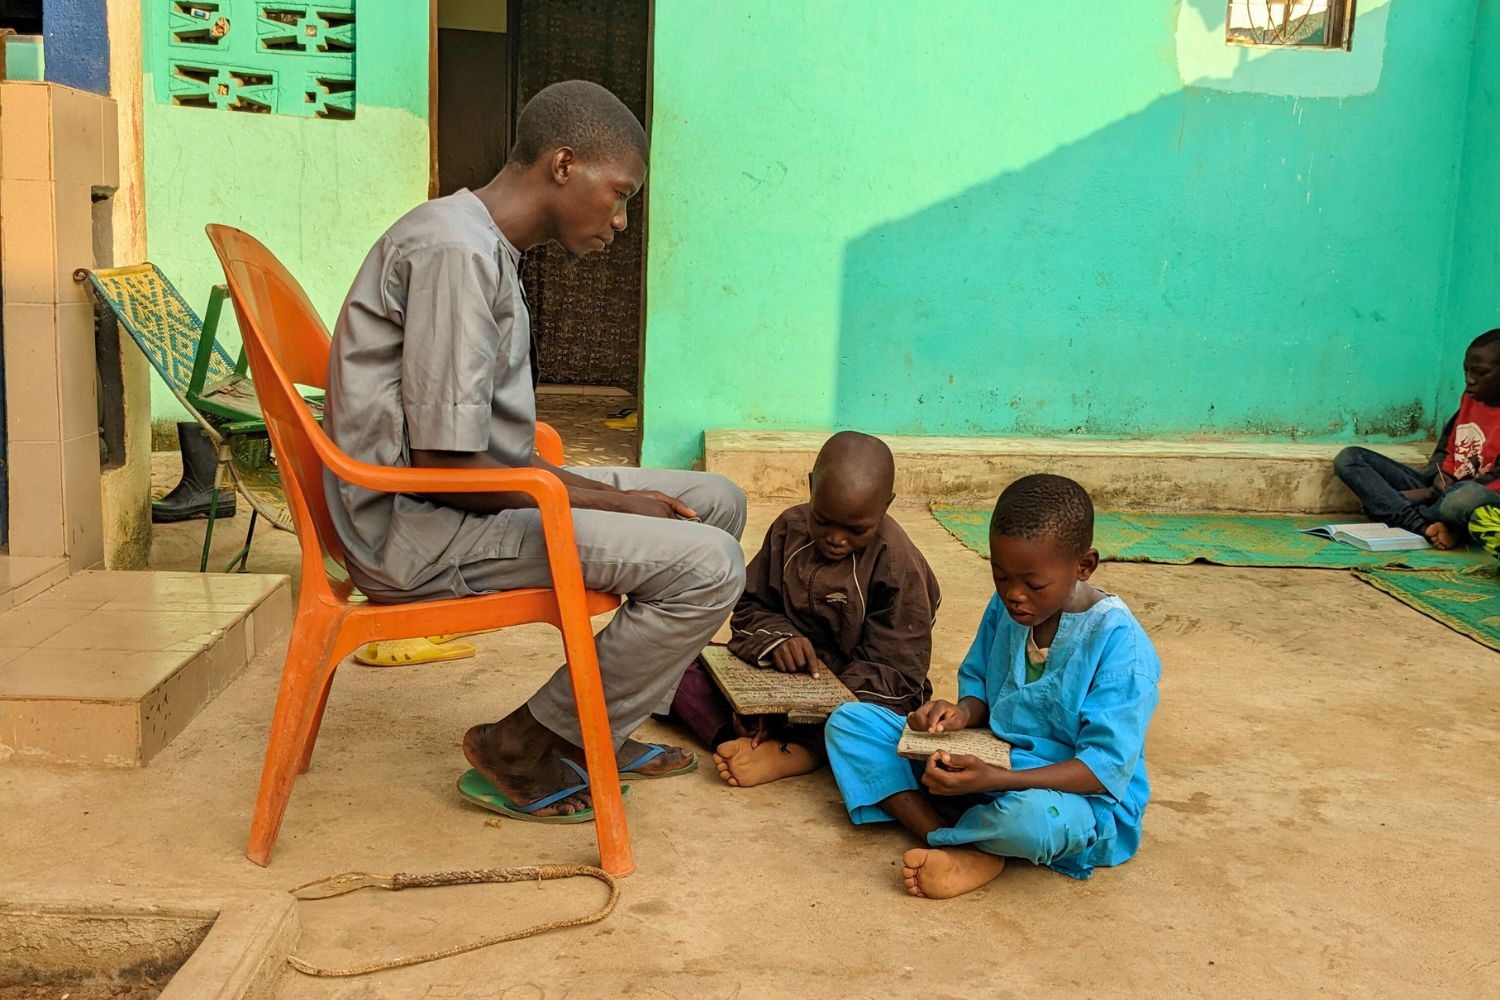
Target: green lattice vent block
260,58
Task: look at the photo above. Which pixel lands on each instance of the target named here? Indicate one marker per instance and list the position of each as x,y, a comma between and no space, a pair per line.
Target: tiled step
107,668
24,577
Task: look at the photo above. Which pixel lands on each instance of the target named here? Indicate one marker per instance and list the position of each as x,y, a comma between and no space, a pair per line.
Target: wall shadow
1218,264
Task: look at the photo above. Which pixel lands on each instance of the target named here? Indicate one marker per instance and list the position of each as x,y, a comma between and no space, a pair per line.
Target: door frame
640,370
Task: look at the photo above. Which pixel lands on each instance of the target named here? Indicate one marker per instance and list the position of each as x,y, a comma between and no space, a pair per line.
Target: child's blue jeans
1379,481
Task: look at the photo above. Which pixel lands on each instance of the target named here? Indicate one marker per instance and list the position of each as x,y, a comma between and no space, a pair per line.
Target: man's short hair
1046,508
582,116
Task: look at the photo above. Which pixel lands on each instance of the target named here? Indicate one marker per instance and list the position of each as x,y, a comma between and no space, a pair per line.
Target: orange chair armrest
549,443
539,484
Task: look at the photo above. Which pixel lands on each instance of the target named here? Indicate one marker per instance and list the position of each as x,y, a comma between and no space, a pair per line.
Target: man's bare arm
584,494
571,480
677,507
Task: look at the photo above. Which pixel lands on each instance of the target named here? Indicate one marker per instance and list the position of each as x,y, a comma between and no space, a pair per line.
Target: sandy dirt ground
1323,817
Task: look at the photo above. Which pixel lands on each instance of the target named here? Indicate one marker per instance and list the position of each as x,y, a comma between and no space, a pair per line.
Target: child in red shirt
1460,477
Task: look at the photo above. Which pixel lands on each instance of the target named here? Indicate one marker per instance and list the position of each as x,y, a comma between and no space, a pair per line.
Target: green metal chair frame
212,387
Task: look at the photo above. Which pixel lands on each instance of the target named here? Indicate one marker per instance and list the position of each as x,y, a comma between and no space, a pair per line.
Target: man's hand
797,655
961,774
1422,495
634,503
676,506
938,716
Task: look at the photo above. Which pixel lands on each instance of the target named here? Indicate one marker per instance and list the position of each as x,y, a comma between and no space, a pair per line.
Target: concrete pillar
56,147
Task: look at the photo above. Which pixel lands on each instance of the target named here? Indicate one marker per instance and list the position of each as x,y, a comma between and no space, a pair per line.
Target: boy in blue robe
1060,670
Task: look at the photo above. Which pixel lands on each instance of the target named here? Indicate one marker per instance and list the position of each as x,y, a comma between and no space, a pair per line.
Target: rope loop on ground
338,885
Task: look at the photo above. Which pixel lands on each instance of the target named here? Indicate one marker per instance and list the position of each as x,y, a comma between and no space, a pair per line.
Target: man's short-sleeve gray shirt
431,351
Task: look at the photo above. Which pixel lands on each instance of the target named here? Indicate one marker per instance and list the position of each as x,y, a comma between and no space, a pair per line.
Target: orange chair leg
304,674
316,724
598,751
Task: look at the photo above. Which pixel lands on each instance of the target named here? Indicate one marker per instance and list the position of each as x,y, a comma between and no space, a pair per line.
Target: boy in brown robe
836,586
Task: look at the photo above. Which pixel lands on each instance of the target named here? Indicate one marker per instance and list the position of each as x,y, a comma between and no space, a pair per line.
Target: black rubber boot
191,496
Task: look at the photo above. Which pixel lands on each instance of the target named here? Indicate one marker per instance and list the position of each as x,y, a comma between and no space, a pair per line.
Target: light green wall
317,192
1473,303
981,218
25,58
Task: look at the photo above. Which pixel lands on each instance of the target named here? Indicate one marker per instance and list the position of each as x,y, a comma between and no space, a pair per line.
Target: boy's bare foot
952,871
1440,536
523,759
631,751
741,765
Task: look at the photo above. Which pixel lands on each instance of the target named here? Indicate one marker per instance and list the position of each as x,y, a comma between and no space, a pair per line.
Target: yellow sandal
409,652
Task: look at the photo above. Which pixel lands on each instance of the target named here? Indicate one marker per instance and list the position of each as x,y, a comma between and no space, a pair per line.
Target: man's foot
1440,536
952,871
524,760
741,765
674,759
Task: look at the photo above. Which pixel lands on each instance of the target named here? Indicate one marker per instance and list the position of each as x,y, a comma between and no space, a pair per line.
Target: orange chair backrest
287,345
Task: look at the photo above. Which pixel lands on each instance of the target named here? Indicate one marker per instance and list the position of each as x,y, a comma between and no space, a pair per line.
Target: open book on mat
979,742
753,690
1372,537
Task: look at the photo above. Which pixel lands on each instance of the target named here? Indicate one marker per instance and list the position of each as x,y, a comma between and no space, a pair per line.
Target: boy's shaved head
1489,339
851,485
860,464
582,116
1046,508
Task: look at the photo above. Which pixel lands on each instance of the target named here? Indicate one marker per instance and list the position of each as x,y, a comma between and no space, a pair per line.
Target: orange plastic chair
287,345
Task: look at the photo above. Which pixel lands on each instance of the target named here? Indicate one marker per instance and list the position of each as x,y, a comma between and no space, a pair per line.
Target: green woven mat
1226,539
1465,600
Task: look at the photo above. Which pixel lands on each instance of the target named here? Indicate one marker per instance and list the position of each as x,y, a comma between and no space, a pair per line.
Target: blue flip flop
653,751
477,789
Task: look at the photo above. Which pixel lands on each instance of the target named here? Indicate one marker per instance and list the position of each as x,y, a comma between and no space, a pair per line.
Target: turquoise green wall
1473,303
317,192
1040,219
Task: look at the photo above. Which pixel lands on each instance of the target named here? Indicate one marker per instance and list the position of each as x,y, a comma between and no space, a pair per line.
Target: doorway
587,314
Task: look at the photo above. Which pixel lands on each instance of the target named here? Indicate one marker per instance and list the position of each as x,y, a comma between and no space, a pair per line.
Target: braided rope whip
338,885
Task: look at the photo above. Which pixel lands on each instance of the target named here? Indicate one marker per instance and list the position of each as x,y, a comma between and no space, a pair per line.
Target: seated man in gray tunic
431,367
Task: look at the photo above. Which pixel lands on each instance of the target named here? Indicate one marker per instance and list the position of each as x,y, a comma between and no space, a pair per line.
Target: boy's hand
797,654
961,774
938,716
753,727
675,506
1423,495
